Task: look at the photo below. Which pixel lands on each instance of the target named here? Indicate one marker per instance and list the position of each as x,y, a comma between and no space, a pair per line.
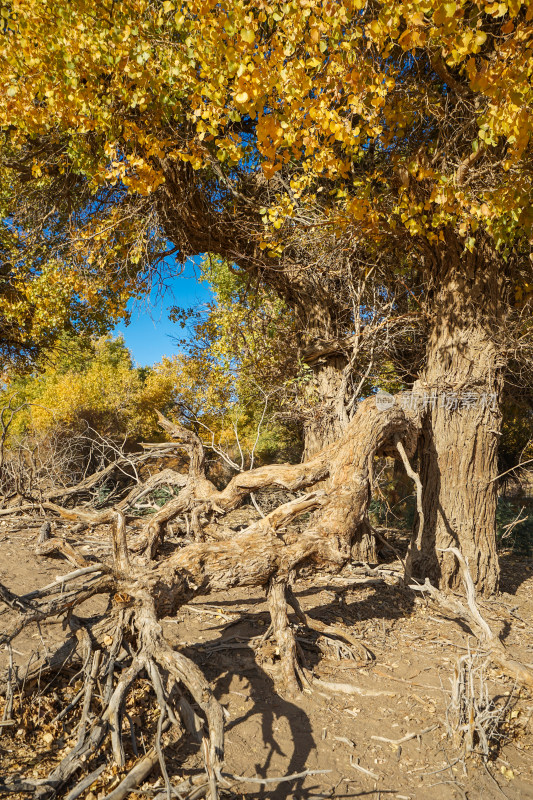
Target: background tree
84,384
238,382
48,288
230,382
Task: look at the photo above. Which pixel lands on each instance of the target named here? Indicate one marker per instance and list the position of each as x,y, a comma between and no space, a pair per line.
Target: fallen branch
472,616
359,768
48,546
350,688
281,779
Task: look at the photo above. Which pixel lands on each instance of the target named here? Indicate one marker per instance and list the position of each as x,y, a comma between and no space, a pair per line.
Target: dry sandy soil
334,729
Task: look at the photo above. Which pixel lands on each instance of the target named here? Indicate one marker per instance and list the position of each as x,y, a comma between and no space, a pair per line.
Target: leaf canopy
417,112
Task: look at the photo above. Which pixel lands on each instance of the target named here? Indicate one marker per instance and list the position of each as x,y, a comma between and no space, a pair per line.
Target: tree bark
459,443
328,420
264,550
328,426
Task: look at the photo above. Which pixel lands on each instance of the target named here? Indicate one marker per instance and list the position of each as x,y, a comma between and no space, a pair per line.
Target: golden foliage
93,383
320,82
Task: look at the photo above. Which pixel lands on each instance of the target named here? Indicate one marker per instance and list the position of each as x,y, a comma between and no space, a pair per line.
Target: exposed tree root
47,546
127,644
355,646
126,648
101,718
292,675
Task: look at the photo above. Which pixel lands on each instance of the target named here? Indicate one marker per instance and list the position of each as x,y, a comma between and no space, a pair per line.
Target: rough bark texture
263,550
328,424
458,447
127,643
329,421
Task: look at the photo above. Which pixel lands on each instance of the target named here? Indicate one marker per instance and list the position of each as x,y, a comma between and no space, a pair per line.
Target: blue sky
149,334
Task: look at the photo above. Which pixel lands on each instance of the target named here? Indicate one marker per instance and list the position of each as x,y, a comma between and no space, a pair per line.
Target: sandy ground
332,729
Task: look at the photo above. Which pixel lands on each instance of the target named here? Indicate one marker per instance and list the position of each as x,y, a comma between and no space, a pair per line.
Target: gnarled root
171,675
126,645
292,674
264,554
332,633
344,465
292,662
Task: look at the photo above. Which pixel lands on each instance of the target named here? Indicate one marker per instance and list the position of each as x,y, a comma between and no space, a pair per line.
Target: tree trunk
329,419
458,446
327,426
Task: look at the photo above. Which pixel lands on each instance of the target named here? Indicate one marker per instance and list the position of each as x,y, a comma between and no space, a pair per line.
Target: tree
82,404
238,382
369,163
397,136
45,291
87,385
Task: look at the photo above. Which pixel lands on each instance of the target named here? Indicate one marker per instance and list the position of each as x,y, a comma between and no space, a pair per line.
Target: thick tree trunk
458,447
329,420
327,424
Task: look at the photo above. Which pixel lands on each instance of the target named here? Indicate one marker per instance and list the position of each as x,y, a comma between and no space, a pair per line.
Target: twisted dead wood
129,639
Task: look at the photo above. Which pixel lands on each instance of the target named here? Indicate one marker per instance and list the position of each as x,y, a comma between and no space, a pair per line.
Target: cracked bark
460,431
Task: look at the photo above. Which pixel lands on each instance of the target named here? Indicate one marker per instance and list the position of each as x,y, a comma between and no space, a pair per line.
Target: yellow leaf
168,6
242,97
450,9
248,36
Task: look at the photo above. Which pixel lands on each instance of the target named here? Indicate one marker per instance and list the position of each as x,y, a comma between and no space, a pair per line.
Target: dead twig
350,688
280,779
365,771
418,483
406,738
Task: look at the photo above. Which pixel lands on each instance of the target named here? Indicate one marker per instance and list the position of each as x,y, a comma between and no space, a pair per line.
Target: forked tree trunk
459,442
